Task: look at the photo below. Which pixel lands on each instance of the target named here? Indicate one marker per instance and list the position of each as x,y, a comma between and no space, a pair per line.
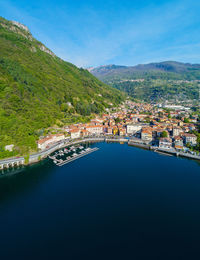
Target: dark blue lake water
119,202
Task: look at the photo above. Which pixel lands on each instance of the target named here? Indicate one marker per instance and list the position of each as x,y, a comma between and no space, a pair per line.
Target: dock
86,152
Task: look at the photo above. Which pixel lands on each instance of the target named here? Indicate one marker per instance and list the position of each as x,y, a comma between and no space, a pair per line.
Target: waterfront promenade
172,151
33,158
36,157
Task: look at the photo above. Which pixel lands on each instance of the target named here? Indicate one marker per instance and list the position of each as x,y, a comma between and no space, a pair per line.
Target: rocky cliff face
24,31
20,25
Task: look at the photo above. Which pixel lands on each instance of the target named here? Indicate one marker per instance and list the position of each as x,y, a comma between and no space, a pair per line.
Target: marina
72,153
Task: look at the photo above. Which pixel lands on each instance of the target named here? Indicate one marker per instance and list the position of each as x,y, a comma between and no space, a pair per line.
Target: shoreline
37,157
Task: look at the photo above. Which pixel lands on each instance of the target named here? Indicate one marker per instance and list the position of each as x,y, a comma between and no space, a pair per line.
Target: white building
96,129
132,129
146,134
9,147
190,139
49,140
176,131
75,133
165,143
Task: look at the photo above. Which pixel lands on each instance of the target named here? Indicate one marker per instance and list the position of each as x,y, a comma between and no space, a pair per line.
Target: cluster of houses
150,124
168,137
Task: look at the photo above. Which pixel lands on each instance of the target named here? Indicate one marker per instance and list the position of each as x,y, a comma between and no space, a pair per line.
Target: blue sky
92,33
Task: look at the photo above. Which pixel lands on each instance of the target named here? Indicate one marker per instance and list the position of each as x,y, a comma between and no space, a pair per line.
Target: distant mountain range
168,80
172,67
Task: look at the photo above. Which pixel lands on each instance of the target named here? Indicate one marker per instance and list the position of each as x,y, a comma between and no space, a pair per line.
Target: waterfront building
84,133
115,130
165,143
189,139
109,130
75,133
178,142
96,129
133,128
49,140
146,134
122,131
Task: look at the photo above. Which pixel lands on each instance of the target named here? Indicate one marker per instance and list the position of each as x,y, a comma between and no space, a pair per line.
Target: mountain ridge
164,66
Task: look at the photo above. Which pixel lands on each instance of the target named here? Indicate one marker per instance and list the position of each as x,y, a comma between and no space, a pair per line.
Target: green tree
26,158
186,120
164,134
117,120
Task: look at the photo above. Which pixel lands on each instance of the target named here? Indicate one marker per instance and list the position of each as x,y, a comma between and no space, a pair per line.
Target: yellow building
115,131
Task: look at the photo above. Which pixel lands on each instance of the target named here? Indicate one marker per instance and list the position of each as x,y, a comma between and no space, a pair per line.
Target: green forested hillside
38,89
155,82
160,90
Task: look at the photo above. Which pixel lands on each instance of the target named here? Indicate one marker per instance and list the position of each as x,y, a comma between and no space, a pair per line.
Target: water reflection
16,181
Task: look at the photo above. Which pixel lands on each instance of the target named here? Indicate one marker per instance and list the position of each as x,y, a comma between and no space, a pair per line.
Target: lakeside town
168,127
